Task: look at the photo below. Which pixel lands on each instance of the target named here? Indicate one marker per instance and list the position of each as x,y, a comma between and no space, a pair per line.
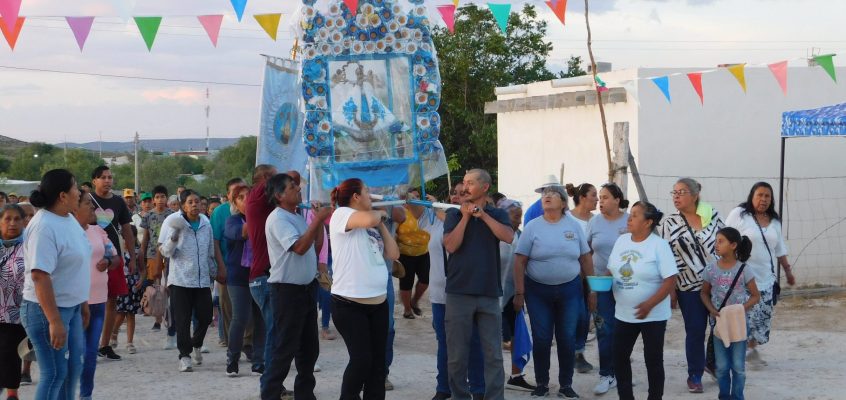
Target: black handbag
710,358
777,284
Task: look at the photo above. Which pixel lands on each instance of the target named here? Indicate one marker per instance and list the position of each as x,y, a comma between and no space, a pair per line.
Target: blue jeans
92,341
605,307
475,370
389,350
60,369
245,312
731,359
554,309
695,322
261,295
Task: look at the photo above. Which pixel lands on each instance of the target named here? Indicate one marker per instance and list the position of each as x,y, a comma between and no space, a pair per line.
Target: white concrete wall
727,144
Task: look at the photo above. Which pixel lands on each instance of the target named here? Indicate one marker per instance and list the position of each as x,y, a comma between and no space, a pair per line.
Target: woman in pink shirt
103,258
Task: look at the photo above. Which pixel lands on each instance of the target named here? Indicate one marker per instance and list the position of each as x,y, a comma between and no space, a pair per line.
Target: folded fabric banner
521,345
280,140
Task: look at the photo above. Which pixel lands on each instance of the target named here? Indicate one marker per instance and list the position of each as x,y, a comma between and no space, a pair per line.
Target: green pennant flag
501,13
827,63
148,26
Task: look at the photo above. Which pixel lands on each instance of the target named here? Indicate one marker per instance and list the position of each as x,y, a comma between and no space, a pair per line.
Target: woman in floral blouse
11,292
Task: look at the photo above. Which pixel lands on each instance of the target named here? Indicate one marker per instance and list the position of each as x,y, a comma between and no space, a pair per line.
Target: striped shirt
692,255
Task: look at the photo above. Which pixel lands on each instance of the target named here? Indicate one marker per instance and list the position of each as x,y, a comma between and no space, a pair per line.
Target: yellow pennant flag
738,71
269,22
455,2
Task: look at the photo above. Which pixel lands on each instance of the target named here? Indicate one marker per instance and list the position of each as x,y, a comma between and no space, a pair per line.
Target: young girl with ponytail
729,292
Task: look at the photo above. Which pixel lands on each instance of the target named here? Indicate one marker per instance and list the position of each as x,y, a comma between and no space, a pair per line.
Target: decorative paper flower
361,20
318,102
402,20
310,52
367,8
421,98
380,46
396,9
393,26
420,11
370,47
313,71
325,125
418,35
422,122
337,36
419,70
411,48
398,46
323,34
389,39
308,12
325,49
340,23
357,47
337,49
334,9
347,43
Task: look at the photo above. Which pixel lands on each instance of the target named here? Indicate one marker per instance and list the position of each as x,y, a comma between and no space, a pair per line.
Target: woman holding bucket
553,250
644,272
602,232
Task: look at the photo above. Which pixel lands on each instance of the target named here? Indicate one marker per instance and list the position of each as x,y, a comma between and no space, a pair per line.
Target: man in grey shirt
292,248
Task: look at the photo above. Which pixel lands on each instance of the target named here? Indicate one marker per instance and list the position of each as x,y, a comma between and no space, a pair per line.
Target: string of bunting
738,71
12,23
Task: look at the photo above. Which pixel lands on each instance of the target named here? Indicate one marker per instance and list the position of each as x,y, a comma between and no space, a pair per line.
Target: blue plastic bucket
600,283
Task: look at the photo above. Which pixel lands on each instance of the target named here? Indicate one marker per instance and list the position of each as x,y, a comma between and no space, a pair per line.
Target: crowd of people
76,260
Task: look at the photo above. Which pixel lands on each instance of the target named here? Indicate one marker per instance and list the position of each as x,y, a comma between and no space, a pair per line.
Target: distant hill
10,146
163,145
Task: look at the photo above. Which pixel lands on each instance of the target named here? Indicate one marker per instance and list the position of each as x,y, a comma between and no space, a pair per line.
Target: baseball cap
145,196
128,193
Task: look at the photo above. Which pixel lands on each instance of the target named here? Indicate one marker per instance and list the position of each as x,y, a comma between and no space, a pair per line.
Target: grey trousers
461,312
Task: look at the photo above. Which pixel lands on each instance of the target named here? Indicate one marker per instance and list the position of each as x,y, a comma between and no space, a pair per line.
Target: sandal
408,315
326,334
417,311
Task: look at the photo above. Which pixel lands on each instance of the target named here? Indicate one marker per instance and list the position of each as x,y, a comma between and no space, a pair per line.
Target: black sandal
417,311
408,315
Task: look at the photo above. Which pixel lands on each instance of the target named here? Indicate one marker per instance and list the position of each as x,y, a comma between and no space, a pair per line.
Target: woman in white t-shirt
360,244
644,272
758,220
56,285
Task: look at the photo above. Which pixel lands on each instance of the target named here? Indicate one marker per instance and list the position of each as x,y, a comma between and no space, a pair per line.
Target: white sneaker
131,348
185,364
170,343
605,384
198,356
204,349
317,367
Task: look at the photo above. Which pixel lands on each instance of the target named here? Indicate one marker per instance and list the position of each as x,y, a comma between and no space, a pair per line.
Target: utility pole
136,163
101,145
208,110
66,150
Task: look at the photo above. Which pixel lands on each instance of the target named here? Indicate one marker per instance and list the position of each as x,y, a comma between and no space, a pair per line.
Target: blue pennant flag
663,83
521,346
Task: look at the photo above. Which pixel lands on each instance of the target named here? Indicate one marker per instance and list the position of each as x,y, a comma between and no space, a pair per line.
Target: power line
145,78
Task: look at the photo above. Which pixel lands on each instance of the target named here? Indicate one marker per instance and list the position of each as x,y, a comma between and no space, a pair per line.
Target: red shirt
257,211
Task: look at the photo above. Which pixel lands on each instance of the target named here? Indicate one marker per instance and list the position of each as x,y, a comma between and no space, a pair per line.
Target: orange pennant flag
738,71
779,71
559,8
696,81
12,35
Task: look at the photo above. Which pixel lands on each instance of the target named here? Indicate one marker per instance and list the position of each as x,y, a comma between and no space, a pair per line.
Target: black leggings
186,302
414,265
625,336
11,336
364,328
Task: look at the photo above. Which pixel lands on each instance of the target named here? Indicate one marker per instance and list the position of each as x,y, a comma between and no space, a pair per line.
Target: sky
51,107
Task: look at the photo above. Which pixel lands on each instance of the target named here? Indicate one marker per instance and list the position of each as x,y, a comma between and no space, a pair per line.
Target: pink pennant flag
448,14
352,5
779,70
10,9
81,27
211,23
696,81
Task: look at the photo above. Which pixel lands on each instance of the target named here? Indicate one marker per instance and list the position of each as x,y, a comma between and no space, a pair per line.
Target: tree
473,61
237,160
28,163
79,162
574,68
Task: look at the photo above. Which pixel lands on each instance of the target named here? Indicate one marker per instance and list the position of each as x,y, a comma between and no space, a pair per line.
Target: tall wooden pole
599,98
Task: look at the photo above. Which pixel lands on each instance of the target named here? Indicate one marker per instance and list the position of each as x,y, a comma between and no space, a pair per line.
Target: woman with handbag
757,219
691,232
727,283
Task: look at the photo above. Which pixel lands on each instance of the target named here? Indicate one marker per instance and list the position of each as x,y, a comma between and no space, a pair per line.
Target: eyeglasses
679,193
550,192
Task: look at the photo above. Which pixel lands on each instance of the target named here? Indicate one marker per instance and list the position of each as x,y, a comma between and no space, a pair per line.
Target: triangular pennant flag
501,13
521,351
779,71
696,81
352,5
124,8
239,6
10,10
149,27
448,14
631,90
559,7
600,84
81,27
269,22
663,83
827,63
12,35
211,23
455,2
738,71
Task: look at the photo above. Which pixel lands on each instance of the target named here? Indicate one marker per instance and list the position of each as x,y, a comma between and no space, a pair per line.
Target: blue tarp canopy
824,121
